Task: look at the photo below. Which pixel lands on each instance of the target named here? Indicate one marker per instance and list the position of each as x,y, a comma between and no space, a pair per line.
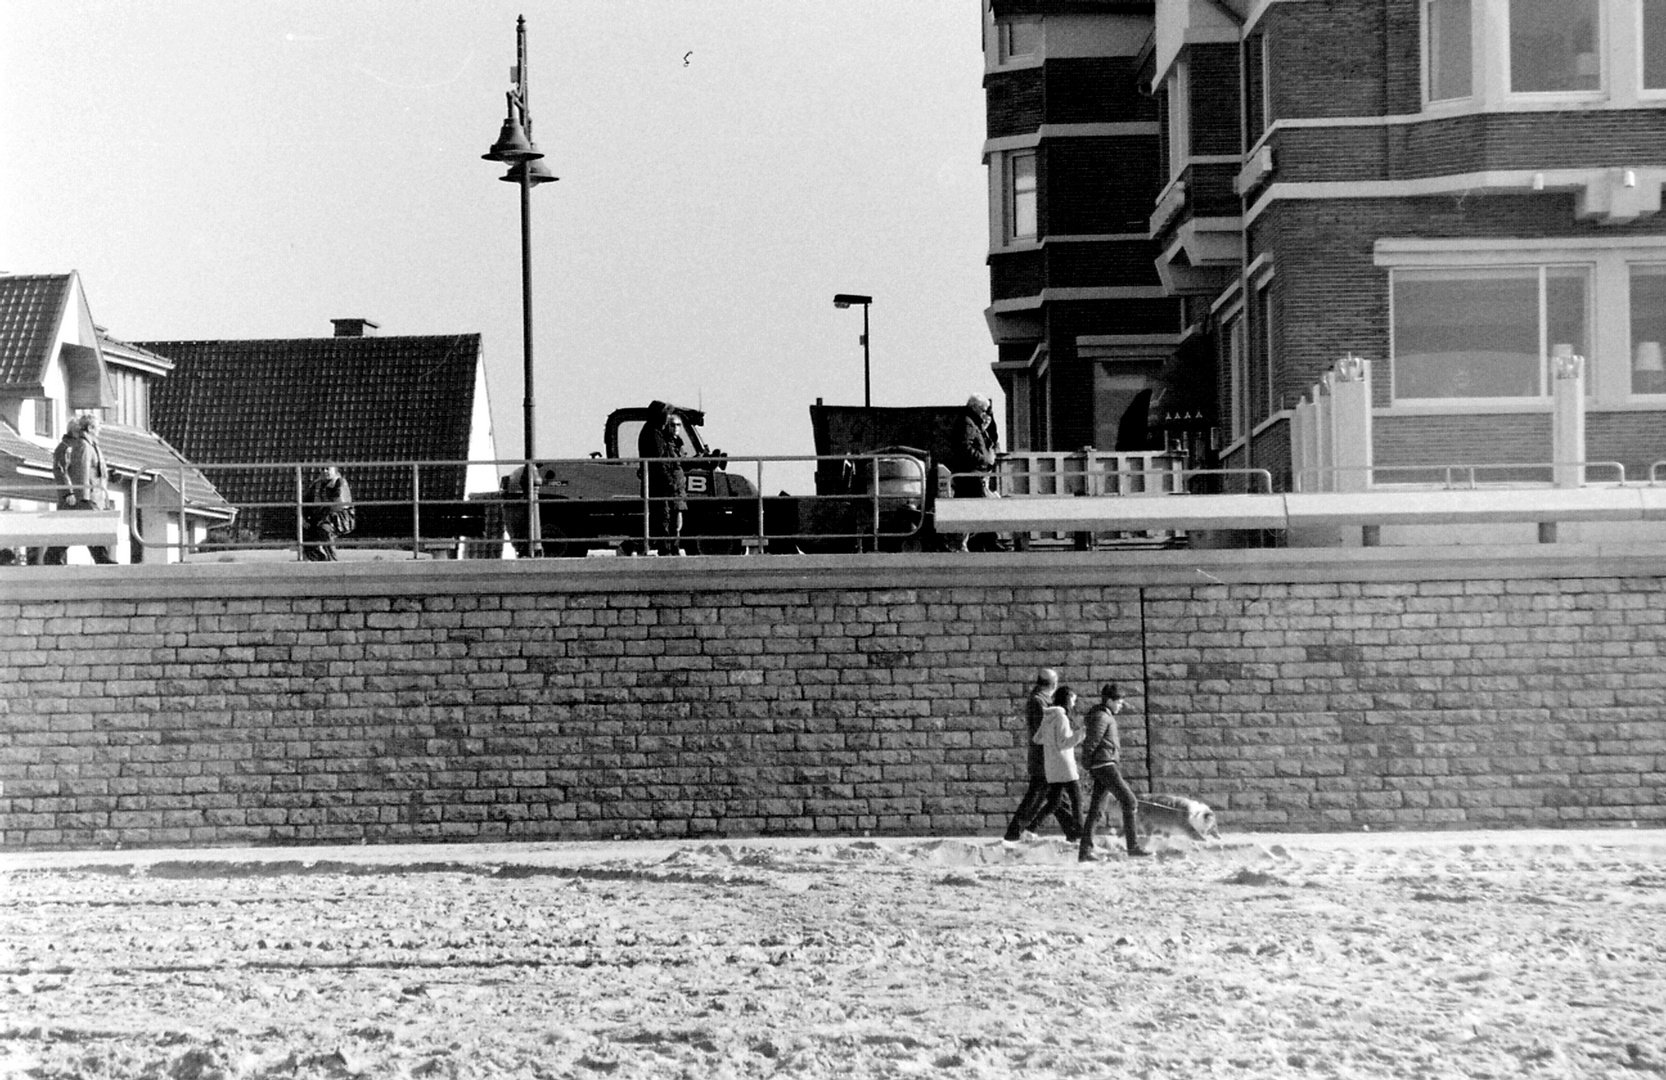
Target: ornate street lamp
515,148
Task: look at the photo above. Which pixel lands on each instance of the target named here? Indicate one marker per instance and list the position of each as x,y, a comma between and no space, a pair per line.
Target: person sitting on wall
83,481
329,514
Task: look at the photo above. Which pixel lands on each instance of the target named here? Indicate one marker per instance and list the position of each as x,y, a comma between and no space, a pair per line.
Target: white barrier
60,528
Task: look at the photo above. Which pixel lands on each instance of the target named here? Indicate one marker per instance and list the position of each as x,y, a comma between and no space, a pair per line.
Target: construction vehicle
871,485
599,503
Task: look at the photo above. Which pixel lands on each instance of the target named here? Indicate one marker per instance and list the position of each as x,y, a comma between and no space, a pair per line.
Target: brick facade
404,702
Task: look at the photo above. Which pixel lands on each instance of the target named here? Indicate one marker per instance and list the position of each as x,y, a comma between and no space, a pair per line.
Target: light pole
844,300
515,148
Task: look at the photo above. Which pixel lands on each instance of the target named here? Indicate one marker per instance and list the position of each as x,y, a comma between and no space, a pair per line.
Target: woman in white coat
1059,741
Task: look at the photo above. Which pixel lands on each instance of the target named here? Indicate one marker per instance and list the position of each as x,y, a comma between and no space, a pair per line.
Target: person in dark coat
667,486
1102,757
1033,806
83,481
329,514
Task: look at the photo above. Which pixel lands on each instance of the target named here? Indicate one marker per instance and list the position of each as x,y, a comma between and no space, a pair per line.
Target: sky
244,170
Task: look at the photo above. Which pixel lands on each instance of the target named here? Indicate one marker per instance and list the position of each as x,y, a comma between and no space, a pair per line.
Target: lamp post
844,300
515,148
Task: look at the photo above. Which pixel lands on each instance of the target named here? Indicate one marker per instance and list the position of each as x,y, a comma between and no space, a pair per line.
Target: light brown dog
1176,815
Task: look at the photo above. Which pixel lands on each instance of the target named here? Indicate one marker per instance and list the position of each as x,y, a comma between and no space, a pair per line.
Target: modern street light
844,300
515,148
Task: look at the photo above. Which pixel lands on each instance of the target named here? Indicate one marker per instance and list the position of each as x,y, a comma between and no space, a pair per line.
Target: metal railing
1451,477
580,506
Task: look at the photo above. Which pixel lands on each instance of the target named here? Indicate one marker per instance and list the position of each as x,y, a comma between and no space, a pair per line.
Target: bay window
1021,196
1480,332
1648,328
1555,46
1449,49
1654,44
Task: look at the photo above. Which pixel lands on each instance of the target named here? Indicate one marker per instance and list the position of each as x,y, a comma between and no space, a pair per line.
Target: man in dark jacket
329,514
83,480
1102,757
1030,807
666,484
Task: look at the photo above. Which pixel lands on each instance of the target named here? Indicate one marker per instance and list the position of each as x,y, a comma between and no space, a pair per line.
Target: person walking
1102,757
329,514
1058,741
1032,806
83,481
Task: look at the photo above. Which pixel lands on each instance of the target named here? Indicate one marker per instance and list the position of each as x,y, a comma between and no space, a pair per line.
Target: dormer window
1555,46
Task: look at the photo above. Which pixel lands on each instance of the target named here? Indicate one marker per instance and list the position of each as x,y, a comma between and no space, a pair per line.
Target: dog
1172,815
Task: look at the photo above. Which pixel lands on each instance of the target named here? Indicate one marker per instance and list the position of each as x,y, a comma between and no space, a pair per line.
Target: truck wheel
556,544
716,545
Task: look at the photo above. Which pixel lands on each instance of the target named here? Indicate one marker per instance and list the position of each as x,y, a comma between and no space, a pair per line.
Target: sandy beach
1499,954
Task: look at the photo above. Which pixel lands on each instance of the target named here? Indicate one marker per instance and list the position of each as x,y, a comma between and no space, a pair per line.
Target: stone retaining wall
381,702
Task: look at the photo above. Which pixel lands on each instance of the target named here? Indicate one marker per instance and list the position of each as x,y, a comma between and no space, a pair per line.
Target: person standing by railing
667,486
83,480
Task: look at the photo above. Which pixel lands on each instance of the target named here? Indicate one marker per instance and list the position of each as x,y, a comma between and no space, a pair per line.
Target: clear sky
224,169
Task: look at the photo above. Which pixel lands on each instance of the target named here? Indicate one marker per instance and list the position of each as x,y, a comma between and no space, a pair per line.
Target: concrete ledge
1295,510
60,528
741,573
1127,513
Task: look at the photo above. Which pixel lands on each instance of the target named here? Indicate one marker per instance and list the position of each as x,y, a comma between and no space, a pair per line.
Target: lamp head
844,300
538,172
512,144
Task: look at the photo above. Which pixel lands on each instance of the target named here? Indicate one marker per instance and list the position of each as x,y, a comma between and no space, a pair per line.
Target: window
132,398
1264,312
1018,38
1180,121
1448,49
1235,376
1021,196
1654,44
1485,332
1555,46
1648,329
46,416
1256,110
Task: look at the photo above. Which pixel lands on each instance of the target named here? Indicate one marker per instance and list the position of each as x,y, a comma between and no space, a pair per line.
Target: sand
1392,955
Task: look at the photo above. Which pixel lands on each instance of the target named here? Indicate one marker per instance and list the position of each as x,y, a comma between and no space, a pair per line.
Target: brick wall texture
526,702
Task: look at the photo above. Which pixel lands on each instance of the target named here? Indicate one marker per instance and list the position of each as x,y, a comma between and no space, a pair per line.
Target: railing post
416,510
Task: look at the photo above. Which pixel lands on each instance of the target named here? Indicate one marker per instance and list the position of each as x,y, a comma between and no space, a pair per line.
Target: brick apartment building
1450,188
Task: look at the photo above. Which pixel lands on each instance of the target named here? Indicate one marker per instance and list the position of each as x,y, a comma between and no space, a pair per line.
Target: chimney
354,327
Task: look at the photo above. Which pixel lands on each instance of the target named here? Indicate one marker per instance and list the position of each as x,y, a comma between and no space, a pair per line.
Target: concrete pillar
1567,417
1323,406
1351,423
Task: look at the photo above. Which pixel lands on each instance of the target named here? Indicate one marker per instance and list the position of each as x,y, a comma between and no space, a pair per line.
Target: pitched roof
318,399
31,309
129,451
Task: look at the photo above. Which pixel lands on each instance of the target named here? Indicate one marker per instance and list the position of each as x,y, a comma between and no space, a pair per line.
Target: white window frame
1180,119
1475,44
1608,365
1009,196
1645,92
46,417
1003,40
1545,346
1503,42
1630,333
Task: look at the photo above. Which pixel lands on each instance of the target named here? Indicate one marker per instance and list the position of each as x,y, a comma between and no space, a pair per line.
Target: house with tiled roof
56,363
399,414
